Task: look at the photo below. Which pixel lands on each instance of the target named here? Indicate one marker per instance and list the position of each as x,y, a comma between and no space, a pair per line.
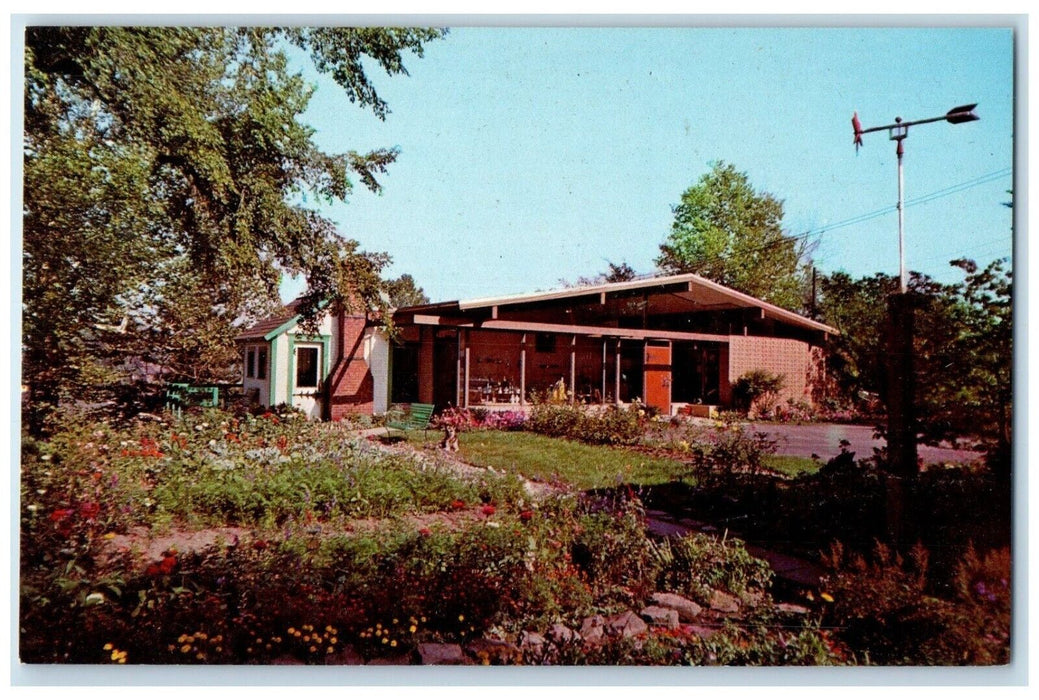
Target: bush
887,614
696,564
608,425
757,390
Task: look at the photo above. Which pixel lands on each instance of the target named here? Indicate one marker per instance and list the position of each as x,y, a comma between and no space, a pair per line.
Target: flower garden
215,538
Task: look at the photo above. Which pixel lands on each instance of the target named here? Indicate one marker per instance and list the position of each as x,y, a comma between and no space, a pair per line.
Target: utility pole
901,415
902,431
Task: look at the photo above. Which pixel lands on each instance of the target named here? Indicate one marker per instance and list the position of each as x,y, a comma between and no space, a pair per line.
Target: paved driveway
824,440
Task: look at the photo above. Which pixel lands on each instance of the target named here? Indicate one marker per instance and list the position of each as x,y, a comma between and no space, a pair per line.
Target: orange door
657,376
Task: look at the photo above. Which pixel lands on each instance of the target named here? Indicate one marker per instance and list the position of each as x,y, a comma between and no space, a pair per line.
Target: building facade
672,342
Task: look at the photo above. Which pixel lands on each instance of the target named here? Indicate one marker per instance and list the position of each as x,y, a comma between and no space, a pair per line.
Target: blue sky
530,155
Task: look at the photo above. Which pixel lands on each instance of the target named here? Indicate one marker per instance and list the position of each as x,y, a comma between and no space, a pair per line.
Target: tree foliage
403,291
730,233
166,168
963,347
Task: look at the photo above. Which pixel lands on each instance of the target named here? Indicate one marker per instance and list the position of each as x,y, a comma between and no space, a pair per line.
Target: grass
579,465
792,466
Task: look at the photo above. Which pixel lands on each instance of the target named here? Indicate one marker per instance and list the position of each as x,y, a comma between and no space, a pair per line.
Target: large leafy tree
962,348
730,233
165,170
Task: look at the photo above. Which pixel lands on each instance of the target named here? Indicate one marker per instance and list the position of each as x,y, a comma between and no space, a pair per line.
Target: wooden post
458,368
523,370
465,390
602,395
617,374
573,368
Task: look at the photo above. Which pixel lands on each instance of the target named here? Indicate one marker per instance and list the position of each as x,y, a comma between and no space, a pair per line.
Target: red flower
169,563
260,544
89,510
61,514
458,504
487,509
152,570
526,515
425,532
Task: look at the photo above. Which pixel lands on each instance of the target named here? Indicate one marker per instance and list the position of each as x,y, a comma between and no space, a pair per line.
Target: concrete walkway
824,439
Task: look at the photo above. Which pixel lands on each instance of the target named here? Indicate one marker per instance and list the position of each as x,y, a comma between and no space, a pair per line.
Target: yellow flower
393,643
333,640
827,597
292,630
461,618
182,638
108,647
329,650
121,660
185,649
412,629
312,648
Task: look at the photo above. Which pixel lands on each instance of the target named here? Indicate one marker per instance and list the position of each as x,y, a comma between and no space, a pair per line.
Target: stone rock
625,624
561,634
699,630
494,652
752,599
593,628
399,660
431,654
660,617
791,609
723,602
347,656
687,610
532,640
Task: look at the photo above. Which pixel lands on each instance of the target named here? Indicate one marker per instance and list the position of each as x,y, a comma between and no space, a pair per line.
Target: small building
670,341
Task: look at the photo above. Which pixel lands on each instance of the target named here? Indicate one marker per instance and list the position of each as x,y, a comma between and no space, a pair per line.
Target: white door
306,391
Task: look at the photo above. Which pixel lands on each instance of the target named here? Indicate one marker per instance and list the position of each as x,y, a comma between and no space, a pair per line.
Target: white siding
377,355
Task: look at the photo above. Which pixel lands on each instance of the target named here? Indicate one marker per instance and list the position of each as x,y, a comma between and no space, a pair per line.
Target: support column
617,374
458,368
523,370
602,394
465,388
573,369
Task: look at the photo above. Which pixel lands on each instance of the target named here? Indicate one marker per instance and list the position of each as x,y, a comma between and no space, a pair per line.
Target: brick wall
352,388
801,364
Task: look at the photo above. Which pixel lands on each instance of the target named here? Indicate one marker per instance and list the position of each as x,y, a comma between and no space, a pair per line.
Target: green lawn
580,465
792,466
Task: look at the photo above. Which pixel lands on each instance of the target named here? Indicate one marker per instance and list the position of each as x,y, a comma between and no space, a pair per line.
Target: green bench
416,417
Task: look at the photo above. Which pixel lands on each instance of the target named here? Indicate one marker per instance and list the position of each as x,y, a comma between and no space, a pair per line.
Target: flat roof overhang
687,293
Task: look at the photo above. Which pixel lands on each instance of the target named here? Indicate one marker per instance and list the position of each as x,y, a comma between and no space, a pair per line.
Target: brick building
670,341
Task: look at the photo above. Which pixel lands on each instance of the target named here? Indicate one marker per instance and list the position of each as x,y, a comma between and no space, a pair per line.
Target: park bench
416,417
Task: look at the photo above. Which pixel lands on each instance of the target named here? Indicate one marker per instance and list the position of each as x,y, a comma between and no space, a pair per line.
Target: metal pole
901,225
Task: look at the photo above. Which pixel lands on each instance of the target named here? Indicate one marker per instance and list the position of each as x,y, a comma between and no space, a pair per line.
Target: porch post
573,368
523,370
458,369
617,374
465,388
602,394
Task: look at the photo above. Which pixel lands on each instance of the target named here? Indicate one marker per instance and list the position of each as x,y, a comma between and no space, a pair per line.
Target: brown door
657,376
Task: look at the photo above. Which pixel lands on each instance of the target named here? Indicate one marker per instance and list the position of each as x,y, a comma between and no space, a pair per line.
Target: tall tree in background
404,292
730,233
163,160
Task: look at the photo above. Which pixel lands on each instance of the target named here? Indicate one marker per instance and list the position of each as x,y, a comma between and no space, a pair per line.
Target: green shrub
696,564
757,389
596,425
